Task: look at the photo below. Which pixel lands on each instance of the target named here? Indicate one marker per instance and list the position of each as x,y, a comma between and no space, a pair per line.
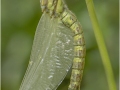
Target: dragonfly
58,45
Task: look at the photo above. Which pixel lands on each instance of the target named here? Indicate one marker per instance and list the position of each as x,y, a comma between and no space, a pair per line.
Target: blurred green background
19,22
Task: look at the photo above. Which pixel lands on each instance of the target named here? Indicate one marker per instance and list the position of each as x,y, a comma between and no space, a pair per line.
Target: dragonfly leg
59,8
51,6
48,6
43,4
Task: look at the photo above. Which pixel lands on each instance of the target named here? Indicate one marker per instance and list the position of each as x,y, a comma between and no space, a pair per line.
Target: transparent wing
51,55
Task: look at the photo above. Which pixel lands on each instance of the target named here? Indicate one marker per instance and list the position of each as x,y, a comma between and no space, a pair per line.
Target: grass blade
101,45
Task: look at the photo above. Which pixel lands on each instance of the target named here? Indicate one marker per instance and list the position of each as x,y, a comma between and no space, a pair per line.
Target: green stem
101,45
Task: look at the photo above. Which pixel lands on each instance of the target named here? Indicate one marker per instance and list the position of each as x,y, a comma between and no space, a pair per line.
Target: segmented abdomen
79,49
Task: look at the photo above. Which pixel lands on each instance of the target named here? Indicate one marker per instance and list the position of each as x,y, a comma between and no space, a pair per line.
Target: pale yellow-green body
57,8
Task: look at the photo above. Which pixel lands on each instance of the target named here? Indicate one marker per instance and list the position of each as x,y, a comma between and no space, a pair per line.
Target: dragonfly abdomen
77,67
70,21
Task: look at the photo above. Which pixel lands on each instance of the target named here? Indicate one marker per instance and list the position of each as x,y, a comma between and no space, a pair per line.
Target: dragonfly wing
51,55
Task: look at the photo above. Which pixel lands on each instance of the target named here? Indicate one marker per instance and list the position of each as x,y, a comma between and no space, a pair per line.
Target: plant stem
101,46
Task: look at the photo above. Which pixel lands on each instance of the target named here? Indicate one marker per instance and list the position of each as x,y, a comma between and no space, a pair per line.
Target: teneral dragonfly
58,45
